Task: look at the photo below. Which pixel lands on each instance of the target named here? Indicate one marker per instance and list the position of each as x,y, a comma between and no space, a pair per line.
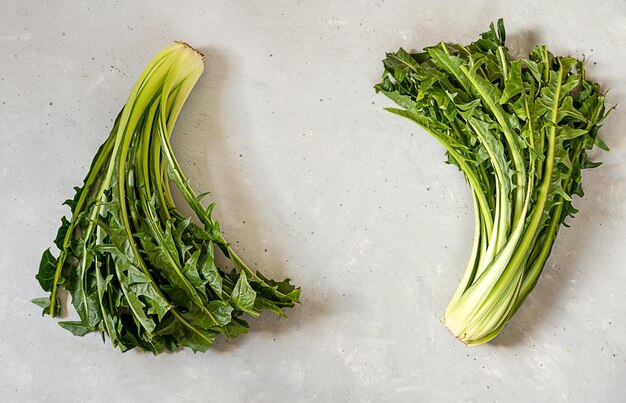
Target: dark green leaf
209,271
47,270
77,328
58,241
243,295
221,311
44,302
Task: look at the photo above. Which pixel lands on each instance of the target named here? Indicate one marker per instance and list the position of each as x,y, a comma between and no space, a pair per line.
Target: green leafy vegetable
136,268
519,131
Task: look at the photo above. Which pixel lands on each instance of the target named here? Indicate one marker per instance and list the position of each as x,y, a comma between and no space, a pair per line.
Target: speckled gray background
314,181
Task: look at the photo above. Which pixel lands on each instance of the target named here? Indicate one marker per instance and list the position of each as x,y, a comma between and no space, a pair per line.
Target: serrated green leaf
208,270
221,311
44,302
199,342
76,328
190,269
58,240
47,270
236,328
243,296
513,85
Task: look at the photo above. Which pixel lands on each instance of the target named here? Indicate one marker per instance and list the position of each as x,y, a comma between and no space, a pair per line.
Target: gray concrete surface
314,181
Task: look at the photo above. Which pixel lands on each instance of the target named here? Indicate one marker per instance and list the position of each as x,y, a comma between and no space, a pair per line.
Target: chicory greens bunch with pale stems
519,131
137,269
141,272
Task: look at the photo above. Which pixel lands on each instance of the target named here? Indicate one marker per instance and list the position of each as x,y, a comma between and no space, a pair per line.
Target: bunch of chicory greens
519,131
137,269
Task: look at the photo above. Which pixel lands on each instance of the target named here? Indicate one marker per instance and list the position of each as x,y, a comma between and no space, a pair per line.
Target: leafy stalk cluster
136,268
519,131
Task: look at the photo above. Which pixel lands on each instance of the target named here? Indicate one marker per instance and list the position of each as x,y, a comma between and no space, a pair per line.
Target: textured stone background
313,180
